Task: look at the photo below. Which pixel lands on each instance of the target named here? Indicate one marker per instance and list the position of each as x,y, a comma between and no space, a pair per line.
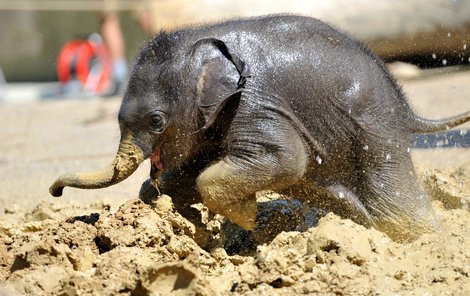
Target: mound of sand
151,250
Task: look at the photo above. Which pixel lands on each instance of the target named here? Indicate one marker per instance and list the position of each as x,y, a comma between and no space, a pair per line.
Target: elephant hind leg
399,206
350,205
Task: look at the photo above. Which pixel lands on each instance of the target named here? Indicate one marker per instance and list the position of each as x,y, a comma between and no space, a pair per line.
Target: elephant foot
148,193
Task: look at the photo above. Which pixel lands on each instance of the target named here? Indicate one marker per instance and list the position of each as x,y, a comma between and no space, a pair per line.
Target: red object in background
86,61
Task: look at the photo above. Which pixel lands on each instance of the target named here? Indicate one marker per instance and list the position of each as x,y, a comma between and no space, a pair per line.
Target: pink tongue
155,159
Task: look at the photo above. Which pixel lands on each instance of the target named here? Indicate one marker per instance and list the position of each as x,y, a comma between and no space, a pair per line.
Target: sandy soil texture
149,249
105,242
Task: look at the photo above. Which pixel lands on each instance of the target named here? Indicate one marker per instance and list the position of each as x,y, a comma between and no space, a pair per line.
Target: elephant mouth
156,159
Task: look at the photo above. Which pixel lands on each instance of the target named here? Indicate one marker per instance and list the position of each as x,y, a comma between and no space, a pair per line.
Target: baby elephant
284,103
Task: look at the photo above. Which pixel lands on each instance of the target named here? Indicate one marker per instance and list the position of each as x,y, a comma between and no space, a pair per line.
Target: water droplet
444,62
397,193
349,111
381,185
366,147
448,35
408,149
388,156
434,56
465,47
318,159
341,194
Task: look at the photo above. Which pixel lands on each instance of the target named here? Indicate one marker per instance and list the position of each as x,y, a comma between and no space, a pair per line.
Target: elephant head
176,93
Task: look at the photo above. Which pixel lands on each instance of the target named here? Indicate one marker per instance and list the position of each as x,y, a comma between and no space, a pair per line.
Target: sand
150,250
107,242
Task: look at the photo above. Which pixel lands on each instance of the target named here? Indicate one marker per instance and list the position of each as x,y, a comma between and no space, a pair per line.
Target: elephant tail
422,126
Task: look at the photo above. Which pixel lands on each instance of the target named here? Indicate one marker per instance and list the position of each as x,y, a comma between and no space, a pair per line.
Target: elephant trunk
127,160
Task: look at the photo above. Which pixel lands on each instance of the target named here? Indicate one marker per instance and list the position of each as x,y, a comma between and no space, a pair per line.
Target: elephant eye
157,122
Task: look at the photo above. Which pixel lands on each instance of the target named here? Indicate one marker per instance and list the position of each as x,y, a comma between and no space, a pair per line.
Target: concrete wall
31,40
392,28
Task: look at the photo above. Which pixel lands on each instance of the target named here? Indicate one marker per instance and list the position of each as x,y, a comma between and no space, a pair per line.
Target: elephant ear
221,75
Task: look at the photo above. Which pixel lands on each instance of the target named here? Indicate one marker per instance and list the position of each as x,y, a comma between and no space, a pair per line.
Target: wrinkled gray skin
283,103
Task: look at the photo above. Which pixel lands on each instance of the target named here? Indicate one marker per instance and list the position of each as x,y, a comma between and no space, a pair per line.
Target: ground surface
104,241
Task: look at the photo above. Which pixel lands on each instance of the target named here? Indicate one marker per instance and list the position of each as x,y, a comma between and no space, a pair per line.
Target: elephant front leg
180,184
229,186
228,191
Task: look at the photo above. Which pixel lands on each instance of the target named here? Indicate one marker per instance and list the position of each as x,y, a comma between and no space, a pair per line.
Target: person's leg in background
145,17
114,42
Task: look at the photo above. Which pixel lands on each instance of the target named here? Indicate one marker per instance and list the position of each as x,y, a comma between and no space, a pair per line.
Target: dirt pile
151,250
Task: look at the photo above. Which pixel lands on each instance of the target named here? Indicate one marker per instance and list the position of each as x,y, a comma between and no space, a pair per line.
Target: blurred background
432,33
